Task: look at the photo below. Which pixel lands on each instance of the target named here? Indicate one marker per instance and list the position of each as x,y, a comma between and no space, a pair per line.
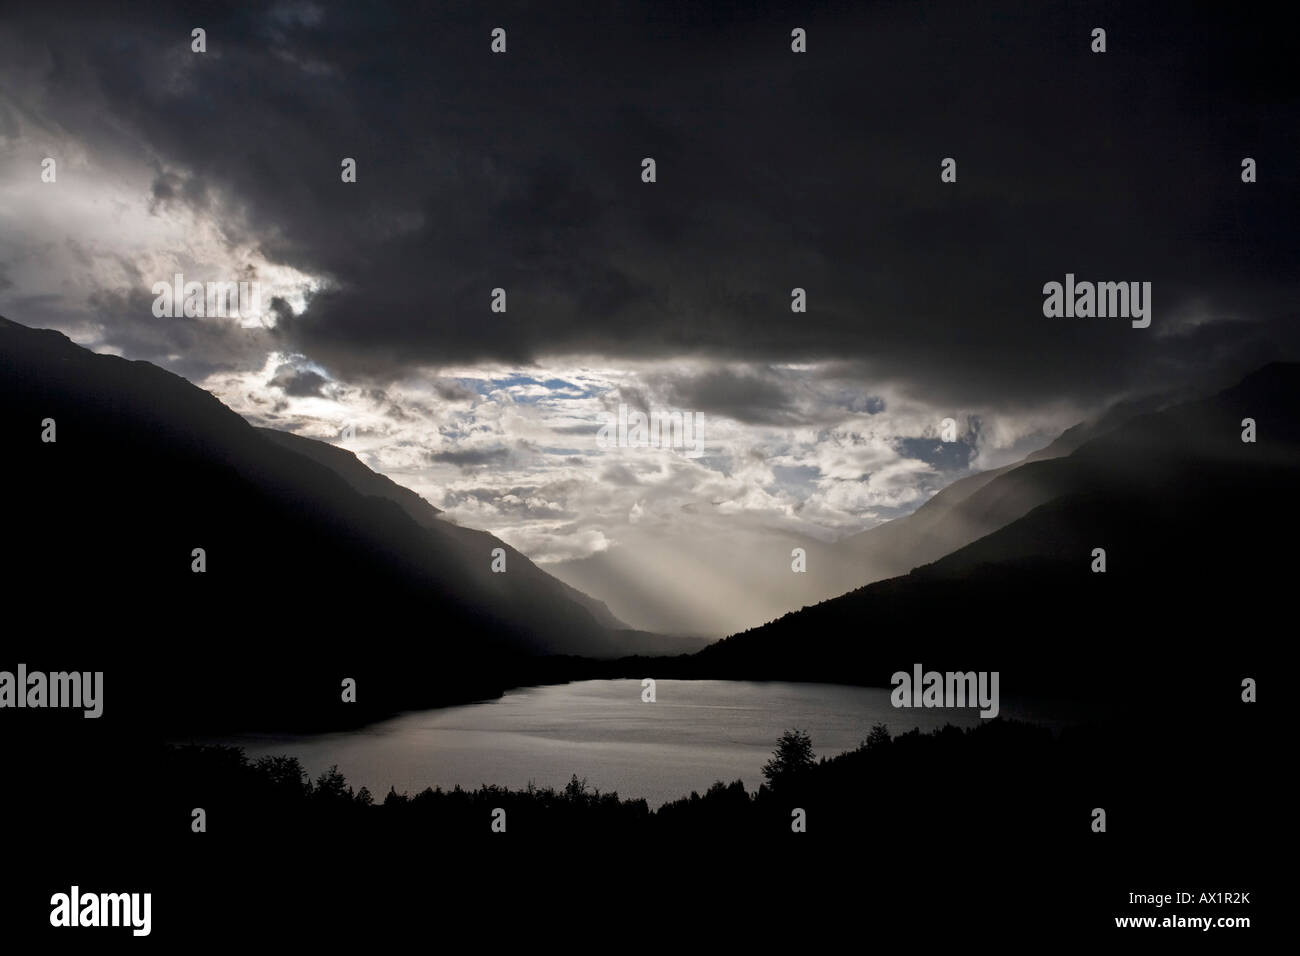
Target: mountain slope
312,562
750,568
470,543
974,506
1198,529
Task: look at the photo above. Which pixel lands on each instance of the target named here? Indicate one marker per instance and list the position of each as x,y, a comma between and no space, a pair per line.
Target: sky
774,170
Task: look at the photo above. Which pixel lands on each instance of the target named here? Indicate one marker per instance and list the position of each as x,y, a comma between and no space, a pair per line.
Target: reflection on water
696,732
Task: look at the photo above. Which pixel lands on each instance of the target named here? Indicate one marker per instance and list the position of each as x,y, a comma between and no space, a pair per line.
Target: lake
695,732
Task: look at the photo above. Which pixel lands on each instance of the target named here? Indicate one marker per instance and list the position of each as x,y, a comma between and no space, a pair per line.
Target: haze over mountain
755,568
469,237
924,296
315,559
1179,503
311,558
467,541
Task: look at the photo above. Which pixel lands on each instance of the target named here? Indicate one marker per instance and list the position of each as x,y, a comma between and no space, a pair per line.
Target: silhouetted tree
575,789
332,785
878,737
793,755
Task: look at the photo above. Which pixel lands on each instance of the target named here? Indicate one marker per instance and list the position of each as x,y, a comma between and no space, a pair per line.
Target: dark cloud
615,474
775,170
744,397
169,188
452,391
281,310
470,457
192,347
299,382
943,456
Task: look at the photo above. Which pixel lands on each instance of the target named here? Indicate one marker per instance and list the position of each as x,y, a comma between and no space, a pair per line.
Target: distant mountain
751,568
313,562
1198,529
467,541
972,507
471,543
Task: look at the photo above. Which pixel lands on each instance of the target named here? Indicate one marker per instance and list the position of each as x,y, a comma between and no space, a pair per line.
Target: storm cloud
776,170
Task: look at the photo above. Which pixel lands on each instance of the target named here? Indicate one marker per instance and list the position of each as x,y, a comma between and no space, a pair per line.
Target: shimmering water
696,732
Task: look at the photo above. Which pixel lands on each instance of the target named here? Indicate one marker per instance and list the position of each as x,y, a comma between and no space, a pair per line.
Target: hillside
1198,529
316,567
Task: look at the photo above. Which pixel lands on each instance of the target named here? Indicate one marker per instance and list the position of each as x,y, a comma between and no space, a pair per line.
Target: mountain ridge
302,570
1128,491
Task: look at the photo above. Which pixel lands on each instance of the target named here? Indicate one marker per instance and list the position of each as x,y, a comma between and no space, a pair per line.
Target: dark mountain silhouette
316,566
467,541
1199,530
319,569
964,511
971,507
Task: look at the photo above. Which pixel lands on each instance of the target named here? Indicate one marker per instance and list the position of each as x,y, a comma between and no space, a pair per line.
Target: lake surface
695,732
